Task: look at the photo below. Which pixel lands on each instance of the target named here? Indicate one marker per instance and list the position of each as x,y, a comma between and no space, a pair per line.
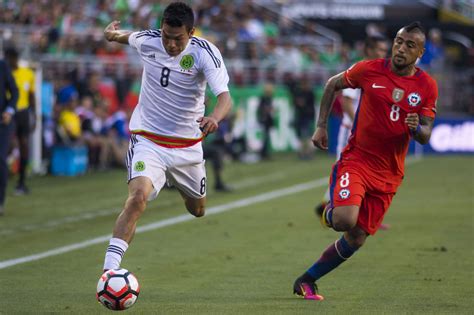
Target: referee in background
25,115
8,100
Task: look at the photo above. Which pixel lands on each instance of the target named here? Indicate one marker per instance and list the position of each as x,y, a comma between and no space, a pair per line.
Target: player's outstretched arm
334,84
210,123
420,127
112,33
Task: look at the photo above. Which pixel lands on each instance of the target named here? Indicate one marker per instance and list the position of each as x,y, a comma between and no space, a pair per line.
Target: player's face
175,39
407,47
379,51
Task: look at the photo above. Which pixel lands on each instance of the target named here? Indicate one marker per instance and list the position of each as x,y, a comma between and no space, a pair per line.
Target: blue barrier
449,136
69,161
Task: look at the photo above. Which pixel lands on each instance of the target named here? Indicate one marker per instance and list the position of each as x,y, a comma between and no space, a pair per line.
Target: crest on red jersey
344,193
397,94
414,99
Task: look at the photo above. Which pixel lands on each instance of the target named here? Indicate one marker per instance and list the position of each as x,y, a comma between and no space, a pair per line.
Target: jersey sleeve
355,74
214,70
136,39
429,107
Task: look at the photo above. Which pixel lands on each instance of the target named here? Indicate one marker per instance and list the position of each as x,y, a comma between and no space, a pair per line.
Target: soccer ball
117,289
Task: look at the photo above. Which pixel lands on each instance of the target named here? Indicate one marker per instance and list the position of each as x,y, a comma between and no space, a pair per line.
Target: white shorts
181,167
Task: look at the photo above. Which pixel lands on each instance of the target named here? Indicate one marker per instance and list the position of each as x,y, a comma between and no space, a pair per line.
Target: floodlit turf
244,261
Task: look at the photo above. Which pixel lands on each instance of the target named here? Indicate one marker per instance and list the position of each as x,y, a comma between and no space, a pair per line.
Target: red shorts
353,185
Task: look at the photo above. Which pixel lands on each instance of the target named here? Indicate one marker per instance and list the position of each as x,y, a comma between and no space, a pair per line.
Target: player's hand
207,125
412,120
320,138
111,30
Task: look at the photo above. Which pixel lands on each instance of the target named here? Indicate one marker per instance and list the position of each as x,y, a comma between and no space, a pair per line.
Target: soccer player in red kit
398,102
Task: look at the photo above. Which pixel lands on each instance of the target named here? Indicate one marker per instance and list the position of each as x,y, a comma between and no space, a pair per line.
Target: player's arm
112,33
210,123
334,84
420,127
12,88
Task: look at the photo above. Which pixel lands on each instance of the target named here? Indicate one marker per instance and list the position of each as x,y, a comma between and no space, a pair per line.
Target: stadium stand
262,41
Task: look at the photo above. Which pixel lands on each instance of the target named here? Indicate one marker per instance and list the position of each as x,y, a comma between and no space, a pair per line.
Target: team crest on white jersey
397,94
344,193
414,99
139,166
187,62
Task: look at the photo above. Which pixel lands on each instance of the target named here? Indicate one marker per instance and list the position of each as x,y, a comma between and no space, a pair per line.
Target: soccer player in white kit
375,47
168,124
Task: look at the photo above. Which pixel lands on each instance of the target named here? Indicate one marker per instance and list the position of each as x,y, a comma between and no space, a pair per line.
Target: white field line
182,218
249,182
171,221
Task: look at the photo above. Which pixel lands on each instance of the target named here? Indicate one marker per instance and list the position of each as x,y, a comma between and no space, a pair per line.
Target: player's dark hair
178,14
417,28
414,26
11,52
372,41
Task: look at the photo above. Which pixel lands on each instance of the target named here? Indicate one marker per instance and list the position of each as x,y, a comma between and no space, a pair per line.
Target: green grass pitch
244,260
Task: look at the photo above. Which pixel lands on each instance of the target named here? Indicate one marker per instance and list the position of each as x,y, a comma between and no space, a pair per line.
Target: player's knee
197,210
343,225
342,222
137,201
197,207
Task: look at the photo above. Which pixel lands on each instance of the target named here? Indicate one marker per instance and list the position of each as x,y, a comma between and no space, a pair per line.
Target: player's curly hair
178,14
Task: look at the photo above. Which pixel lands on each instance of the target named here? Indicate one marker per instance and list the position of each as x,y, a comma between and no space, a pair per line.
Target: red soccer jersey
380,136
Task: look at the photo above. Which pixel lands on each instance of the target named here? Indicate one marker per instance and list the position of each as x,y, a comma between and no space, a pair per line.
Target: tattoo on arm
424,134
427,122
334,84
341,82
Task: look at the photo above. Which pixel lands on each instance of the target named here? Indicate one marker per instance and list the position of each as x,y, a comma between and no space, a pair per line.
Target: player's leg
337,253
369,219
139,189
342,139
191,182
5,132
23,132
146,177
24,152
342,218
197,207
347,191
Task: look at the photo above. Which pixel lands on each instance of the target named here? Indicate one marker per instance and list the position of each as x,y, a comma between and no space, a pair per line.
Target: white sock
114,253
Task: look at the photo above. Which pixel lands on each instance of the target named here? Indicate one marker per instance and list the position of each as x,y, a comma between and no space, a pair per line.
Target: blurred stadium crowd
95,84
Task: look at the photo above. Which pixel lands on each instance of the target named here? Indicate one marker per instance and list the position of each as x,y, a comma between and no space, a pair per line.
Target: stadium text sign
334,11
453,137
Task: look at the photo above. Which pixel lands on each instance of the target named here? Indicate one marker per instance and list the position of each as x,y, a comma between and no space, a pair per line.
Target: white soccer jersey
173,88
353,94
